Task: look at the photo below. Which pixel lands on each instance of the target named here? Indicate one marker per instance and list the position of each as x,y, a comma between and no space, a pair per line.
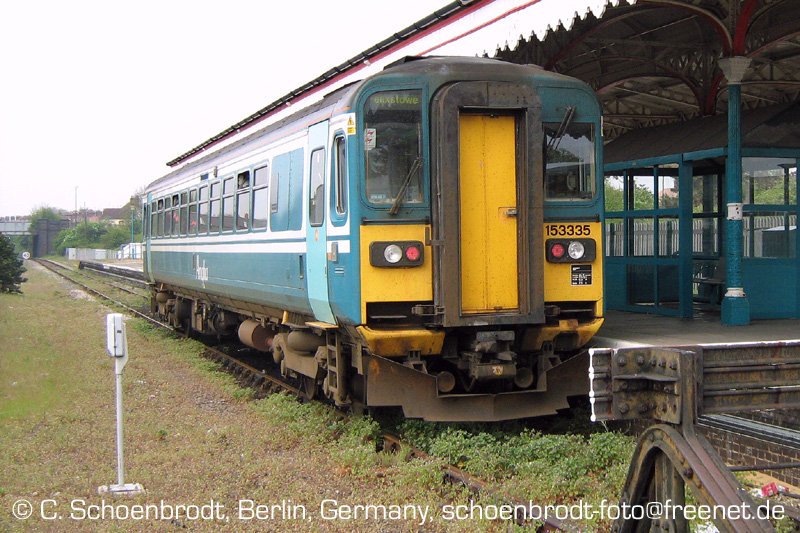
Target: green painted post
735,305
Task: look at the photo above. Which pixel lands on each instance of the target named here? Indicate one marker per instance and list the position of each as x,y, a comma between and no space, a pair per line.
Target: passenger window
160,222
167,217
184,216
340,176
202,217
316,201
214,218
153,219
260,198
243,180
243,201
227,205
176,214
193,212
243,211
228,187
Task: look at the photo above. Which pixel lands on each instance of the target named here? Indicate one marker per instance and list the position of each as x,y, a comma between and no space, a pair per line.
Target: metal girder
667,461
673,386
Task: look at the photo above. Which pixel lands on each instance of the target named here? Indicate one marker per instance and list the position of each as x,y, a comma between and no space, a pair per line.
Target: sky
96,95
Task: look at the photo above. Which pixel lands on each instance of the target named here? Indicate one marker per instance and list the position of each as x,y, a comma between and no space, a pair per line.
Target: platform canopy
461,28
656,61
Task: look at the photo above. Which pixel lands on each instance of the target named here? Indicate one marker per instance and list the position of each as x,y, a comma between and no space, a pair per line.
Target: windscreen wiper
406,182
555,140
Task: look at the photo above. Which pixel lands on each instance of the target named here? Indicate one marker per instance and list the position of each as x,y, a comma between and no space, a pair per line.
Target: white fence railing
771,235
89,254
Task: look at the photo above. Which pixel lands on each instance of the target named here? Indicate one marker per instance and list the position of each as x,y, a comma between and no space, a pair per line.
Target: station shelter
665,209
700,134
701,145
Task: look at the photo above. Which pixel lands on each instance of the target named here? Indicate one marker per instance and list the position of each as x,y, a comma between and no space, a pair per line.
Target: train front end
480,238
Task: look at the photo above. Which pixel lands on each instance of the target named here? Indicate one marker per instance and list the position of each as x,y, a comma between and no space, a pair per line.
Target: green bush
11,268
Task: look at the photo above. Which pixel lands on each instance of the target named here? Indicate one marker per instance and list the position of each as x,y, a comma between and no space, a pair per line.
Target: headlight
400,254
576,250
392,253
570,250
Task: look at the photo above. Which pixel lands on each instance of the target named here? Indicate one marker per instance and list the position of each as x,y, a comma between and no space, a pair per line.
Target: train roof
322,108
437,69
452,10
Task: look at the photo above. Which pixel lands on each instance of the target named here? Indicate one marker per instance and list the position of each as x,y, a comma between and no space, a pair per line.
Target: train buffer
672,387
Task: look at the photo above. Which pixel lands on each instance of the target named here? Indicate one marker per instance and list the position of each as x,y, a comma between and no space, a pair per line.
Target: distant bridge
44,234
15,227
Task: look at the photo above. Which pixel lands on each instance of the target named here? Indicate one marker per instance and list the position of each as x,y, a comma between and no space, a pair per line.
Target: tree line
85,234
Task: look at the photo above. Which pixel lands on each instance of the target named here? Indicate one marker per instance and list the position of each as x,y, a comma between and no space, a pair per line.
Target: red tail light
413,254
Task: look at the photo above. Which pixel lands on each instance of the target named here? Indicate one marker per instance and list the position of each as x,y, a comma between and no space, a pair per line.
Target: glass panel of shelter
769,194
708,268
653,194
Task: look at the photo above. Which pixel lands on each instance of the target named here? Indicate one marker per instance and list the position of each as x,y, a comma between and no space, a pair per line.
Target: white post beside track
117,346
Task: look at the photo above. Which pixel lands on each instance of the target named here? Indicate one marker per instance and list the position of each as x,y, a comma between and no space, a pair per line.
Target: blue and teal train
428,238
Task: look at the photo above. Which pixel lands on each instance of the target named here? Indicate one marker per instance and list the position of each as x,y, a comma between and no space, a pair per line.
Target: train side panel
266,272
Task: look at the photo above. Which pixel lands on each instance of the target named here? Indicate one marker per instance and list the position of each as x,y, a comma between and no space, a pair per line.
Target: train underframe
454,374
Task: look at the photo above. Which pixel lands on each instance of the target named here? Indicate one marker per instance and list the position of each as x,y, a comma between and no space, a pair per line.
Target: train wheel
309,387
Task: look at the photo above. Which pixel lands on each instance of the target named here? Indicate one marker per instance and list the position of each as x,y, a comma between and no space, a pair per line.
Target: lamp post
132,249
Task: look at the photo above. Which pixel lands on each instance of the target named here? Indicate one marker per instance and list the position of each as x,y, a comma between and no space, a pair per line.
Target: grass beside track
191,434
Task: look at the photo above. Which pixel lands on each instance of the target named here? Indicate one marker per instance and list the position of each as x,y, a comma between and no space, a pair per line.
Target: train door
488,189
488,204
148,266
316,230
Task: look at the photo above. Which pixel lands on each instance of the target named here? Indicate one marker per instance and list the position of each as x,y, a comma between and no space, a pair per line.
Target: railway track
263,382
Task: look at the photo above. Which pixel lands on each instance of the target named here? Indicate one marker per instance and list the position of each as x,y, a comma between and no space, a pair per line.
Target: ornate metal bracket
672,387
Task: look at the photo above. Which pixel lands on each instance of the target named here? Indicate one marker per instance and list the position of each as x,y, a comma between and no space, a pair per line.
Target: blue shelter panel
771,287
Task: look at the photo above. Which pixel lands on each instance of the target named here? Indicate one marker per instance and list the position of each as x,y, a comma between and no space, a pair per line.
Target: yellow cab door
488,205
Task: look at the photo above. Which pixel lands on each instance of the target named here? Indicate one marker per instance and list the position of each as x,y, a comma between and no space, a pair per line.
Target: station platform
133,264
622,329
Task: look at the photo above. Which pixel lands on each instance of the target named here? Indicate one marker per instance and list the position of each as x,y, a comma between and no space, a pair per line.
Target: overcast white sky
99,94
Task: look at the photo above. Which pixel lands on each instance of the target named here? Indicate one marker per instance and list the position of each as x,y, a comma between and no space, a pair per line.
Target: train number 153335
568,230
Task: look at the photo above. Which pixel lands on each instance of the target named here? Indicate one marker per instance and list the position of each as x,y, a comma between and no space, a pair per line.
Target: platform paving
622,329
